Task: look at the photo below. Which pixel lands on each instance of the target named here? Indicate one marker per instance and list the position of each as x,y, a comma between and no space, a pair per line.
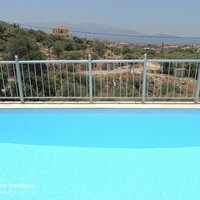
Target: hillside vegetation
29,44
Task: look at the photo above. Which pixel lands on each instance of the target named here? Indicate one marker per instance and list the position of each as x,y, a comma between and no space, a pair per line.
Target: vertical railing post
197,86
90,77
19,81
144,78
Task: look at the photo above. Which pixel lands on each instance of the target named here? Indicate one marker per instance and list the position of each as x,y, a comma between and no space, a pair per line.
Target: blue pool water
99,154
101,128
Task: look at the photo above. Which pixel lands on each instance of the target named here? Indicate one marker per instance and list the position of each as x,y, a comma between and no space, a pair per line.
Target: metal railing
95,80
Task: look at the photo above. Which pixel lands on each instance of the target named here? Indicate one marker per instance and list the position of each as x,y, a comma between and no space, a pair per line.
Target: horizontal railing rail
96,80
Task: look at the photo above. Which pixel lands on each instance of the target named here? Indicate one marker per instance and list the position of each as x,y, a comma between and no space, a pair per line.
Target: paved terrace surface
103,105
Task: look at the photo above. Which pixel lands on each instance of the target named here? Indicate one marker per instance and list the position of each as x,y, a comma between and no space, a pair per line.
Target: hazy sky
179,17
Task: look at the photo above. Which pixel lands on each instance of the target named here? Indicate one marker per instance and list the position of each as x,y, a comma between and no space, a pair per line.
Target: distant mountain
90,27
119,34
102,28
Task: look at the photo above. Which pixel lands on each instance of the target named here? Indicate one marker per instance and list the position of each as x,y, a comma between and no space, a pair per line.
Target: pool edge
61,105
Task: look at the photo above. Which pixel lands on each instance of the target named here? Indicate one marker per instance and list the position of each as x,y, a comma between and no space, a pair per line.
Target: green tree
74,55
126,50
1,30
58,48
115,50
40,36
23,46
48,43
69,45
2,45
129,56
100,48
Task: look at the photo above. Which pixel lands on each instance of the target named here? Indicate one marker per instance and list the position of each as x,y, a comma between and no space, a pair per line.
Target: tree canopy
23,46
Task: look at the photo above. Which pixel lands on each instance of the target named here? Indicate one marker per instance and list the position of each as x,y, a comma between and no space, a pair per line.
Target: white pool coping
99,105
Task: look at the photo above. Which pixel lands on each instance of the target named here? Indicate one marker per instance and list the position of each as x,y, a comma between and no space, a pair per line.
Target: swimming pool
110,128
99,154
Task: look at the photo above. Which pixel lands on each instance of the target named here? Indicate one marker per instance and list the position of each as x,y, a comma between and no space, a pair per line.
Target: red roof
171,46
124,43
60,28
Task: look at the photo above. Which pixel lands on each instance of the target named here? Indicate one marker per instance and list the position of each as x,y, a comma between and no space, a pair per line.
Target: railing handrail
118,61
145,68
7,62
52,61
174,60
102,61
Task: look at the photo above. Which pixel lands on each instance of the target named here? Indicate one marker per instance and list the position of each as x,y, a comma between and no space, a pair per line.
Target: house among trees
123,44
61,32
170,47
